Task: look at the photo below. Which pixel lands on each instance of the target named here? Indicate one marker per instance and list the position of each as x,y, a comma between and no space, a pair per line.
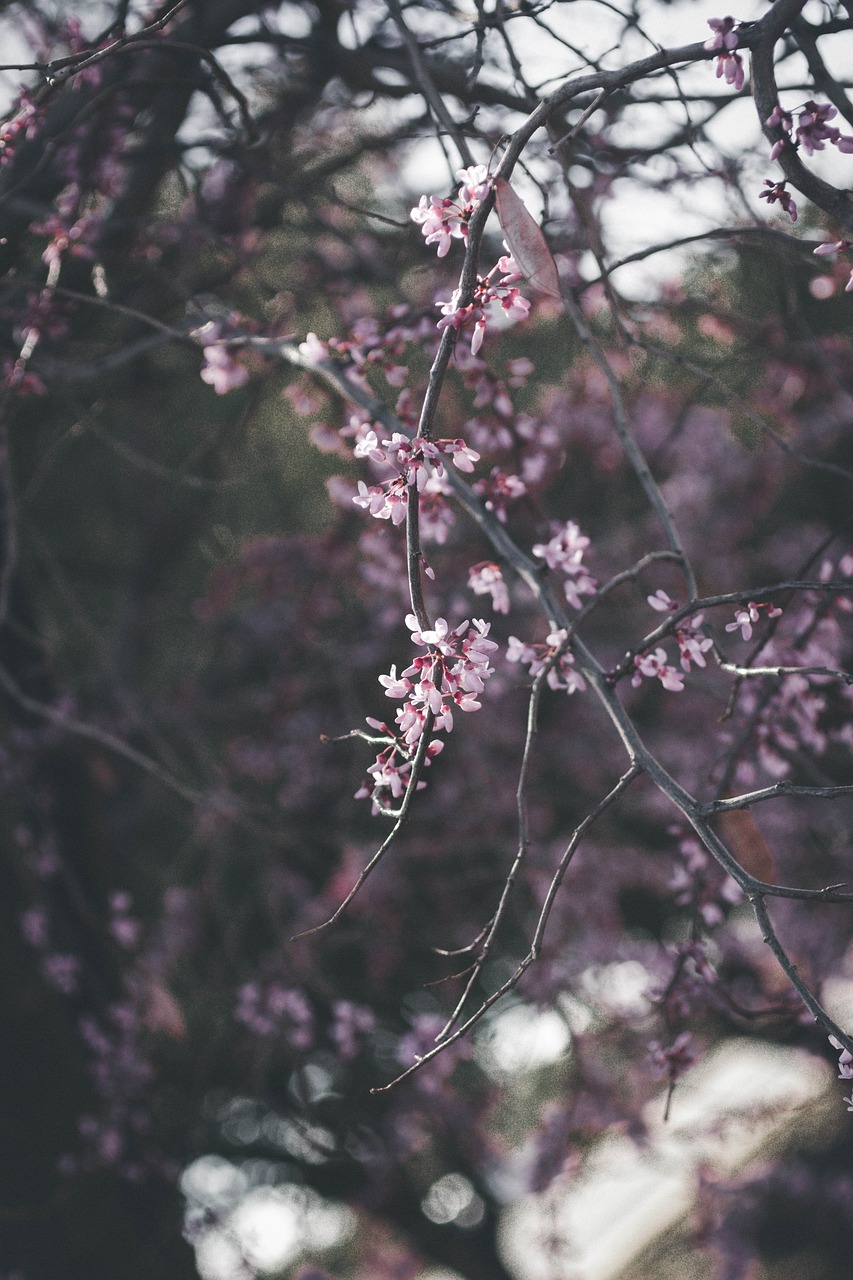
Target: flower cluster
276,1010
417,462
656,666
724,41
391,771
444,220
221,371
779,191
22,125
352,1024
418,459
450,674
498,286
744,618
693,644
498,489
812,131
564,554
697,883
559,661
486,579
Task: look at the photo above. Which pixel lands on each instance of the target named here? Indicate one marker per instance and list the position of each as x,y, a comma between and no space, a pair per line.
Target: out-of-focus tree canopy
425,652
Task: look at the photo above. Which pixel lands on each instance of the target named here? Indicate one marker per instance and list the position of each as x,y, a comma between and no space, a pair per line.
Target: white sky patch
619,989
259,1229
638,216
521,1039
722,1113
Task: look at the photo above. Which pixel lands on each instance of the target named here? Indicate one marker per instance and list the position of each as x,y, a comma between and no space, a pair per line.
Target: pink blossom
486,579
442,219
744,618
221,371
449,675
536,657
498,490
655,665
725,40
779,191
725,35
487,291
564,553
661,601
670,1063
813,130
692,643
565,550
730,68
845,1062
475,184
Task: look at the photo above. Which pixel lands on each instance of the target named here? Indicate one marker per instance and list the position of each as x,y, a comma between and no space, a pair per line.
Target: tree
640,753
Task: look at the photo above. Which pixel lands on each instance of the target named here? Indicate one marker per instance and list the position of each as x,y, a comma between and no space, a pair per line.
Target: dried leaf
162,1011
741,832
525,240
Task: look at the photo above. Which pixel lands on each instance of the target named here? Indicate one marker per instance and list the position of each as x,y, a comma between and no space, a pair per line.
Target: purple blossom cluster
725,41
451,674
444,219
564,554
272,1009
498,286
553,655
812,130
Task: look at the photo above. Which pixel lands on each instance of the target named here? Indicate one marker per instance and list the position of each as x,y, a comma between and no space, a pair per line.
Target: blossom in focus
655,665
725,37
564,553
661,601
744,618
779,191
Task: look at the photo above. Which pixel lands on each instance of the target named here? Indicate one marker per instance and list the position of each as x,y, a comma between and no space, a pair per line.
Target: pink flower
744,619
564,554
778,191
725,35
671,1063
730,67
562,673
692,643
487,579
449,675
221,371
839,246
661,601
845,1062
655,665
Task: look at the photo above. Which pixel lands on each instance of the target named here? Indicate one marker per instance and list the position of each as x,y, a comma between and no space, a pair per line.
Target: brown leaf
525,240
162,1011
741,832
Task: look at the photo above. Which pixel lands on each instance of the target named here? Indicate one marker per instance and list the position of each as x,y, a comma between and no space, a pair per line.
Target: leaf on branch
741,832
525,240
162,1011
